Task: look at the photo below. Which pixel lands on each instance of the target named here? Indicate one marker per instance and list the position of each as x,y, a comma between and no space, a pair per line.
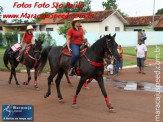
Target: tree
46,38
1,39
110,4
159,11
41,16
1,10
122,13
63,29
86,7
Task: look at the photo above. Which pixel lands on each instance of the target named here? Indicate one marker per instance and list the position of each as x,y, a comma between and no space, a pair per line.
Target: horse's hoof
70,85
46,95
75,106
37,88
9,82
18,86
112,110
25,83
87,87
61,101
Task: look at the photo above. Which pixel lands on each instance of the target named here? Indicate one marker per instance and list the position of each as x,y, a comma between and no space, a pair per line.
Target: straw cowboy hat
30,27
76,19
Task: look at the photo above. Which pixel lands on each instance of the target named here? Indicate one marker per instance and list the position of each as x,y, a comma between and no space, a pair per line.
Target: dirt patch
131,106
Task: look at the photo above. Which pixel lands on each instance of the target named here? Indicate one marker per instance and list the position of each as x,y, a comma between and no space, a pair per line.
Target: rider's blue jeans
75,53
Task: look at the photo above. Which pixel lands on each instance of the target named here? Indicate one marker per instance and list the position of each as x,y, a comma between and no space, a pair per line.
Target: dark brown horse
60,63
31,59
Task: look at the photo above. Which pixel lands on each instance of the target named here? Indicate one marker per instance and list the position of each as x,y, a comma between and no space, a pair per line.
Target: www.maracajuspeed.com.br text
52,15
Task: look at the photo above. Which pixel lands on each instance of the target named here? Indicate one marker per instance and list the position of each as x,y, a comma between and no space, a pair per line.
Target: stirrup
18,58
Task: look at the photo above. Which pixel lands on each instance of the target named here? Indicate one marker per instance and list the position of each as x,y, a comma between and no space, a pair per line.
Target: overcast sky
130,7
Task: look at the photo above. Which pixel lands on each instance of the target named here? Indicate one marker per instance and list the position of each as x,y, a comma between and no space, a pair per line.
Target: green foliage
1,39
41,36
122,13
86,7
1,10
110,4
41,16
17,21
159,11
3,21
63,29
11,37
8,37
46,38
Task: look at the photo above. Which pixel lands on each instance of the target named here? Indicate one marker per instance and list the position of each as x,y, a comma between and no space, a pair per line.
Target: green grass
129,51
2,66
127,62
20,67
150,52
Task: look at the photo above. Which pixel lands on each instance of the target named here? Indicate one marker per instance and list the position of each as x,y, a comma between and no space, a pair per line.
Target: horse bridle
35,51
107,42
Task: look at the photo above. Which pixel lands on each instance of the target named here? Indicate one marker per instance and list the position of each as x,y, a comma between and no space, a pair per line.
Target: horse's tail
5,59
43,60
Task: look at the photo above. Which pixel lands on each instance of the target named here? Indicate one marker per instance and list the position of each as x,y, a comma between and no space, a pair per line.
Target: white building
101,21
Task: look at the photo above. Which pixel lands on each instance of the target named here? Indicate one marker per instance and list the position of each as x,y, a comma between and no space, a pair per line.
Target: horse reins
36,60
100,64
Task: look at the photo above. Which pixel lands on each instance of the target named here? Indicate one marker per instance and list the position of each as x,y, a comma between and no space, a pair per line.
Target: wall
54,26
111,21
126,39
131,28
91,27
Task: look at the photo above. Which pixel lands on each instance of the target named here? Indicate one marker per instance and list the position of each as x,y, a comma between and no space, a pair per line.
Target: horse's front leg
81,82
9,82
29,76
108,103
35,82
14,73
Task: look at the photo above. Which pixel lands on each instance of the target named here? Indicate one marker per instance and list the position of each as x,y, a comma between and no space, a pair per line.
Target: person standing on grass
120,50
141,51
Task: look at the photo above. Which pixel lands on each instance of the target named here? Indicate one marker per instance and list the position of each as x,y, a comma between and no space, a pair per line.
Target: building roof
159,24
142,20
99,16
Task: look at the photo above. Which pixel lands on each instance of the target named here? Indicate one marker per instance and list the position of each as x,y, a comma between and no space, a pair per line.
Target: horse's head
37,49
111,46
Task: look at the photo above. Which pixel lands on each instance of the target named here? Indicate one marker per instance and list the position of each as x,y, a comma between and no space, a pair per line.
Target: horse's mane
98,46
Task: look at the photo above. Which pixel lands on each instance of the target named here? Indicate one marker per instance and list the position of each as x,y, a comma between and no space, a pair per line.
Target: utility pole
153,16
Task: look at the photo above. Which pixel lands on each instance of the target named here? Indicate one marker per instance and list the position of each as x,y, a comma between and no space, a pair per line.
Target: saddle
16,47
83,50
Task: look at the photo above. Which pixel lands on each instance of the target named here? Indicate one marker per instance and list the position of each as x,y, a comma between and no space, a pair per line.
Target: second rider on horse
26,40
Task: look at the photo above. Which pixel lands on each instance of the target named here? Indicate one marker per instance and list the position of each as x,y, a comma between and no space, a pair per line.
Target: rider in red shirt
75,38
26,40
